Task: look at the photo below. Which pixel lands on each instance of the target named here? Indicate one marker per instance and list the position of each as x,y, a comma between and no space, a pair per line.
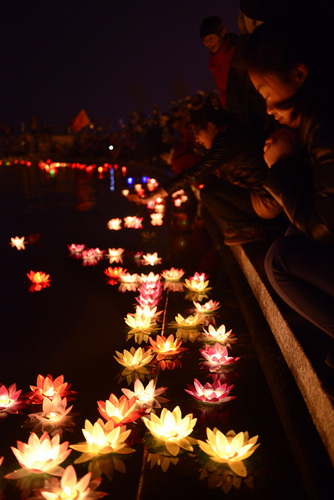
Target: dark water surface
74,327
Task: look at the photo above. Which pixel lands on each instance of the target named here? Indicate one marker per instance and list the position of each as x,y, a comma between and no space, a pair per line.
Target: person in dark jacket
232,171
287,69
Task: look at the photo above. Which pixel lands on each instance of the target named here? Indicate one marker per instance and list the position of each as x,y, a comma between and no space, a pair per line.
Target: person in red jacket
222,46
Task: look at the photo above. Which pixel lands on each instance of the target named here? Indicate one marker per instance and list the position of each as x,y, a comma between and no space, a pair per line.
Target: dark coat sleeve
305,189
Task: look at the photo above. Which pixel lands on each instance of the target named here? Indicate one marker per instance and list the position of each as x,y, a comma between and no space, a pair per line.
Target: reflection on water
95,335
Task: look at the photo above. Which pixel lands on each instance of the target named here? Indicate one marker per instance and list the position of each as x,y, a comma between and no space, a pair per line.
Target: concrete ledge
302,369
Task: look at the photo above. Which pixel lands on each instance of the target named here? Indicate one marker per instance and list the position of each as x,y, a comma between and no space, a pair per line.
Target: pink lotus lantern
91,256
39,280
114,224
211,393
10,401
18,243
40,456
76,249
216,357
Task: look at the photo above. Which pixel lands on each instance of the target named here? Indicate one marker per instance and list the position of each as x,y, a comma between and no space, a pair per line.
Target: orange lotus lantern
39,280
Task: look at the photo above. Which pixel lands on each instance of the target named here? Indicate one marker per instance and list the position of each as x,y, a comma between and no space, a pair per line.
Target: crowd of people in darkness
260,147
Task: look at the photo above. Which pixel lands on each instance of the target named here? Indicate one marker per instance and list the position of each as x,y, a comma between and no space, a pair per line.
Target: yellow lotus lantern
172,274
230,448
151,259
69,488
114,224
172,429
102,439
18,243
135,362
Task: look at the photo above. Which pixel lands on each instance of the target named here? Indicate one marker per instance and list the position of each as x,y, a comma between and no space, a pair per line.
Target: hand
281,144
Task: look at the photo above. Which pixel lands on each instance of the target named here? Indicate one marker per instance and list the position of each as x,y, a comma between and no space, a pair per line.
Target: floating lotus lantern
172,274
208,308
192,321
148,299
172,429
197,283
114,224
167,350
219,334
91,256
47,388
114,272
40,456
151,259
135,362
128,282
128,278
157,219
142,324
102,439
146,397
149,278
211,393
76,249
216,357
39,280
68,487
121,411
54,417
149,312
10,401
18,243
230,448
133,222
115,255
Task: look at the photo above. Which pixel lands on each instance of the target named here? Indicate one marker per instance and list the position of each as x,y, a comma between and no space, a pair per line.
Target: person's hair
277,46
212,25
207,114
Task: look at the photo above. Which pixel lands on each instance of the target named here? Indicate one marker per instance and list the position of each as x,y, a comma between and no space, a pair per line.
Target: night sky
107,57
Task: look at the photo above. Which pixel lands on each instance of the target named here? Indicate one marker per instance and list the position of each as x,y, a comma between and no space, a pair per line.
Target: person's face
275,91
205,135
214,42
